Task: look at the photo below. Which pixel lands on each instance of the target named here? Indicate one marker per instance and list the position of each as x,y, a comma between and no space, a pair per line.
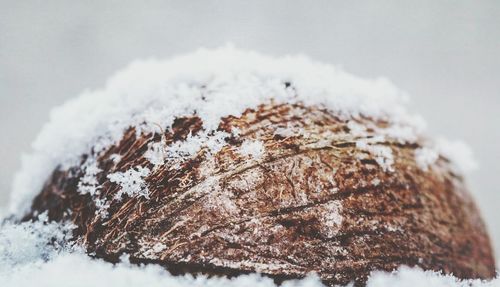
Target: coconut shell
311,201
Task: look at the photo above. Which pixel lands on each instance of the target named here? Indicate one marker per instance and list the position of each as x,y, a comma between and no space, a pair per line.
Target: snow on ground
27,259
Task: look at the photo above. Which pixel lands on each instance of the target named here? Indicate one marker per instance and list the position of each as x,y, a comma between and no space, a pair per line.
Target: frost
156,153
425,157
194,144
375,182
332,218
211,84
216,142
88,183
131,182
116,158
158,247
254,149
289,131
382,154
102,206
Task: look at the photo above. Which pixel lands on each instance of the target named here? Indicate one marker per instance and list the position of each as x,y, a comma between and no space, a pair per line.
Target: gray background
446,54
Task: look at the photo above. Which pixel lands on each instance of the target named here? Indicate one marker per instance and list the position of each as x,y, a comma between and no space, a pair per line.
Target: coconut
230,162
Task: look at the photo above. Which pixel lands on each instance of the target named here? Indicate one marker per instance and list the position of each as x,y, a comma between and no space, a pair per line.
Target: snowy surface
131,182
425,157
26,258
149,95
382,154
254,149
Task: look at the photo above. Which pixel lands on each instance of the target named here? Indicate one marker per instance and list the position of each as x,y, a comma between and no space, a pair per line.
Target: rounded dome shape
282,167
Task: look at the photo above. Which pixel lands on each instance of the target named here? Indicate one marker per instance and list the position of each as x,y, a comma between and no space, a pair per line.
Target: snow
88,183
375,181
156,153
149,95
253,149
211,84
459,154
27,242
382,154
332,218
406,276
425,157
131,182
26,257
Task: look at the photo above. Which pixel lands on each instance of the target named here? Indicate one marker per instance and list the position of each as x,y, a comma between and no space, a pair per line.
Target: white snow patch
402,133
254,149
425,157
182,150
88,182
159,247
382,154
116,158
27,242
290,131
156,153
459,154
406,276
331,218
356,129
131,182
375,182
150,95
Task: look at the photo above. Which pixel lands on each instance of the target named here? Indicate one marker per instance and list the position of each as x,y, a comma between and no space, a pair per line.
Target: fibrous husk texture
294,189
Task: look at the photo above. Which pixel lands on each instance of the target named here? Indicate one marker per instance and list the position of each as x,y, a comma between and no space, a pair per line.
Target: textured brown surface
312,202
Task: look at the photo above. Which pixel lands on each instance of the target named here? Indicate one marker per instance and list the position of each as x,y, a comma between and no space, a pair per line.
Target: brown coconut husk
312,202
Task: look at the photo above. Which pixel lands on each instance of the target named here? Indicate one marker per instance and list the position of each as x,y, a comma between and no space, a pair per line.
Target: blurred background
445,54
